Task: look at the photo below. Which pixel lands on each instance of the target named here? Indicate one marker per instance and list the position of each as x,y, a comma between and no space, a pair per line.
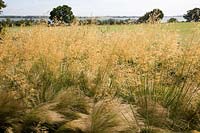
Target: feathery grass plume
10,110
103,119
71,100
52,115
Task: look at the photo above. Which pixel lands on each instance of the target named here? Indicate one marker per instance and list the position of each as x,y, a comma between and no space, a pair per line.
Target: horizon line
83,16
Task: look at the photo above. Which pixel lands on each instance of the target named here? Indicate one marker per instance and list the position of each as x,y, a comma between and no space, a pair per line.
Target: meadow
141,78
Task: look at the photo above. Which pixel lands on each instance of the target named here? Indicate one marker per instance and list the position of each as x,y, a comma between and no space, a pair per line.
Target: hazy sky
100,7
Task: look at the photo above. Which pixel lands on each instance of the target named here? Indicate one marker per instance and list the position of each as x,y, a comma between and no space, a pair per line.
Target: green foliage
193,15
2,4
151,17
10,23
172,20
62,14
105,22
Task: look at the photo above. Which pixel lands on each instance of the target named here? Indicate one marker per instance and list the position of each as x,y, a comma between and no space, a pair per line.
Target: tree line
64,15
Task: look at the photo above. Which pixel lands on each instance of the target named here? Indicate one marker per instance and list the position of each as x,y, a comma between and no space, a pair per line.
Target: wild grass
103,119
56,76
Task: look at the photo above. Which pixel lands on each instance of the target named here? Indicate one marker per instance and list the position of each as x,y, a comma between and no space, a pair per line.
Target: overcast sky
100,7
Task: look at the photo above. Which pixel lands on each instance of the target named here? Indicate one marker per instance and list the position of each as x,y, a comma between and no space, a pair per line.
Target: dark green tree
193,15
172,20
2,4
151,17
62,14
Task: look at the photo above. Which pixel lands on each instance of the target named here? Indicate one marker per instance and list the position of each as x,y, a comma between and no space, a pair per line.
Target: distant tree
62,14
193,15
151,17
2,4
172,20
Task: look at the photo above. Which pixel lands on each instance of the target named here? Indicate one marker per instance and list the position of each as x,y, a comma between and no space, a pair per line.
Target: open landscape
65,77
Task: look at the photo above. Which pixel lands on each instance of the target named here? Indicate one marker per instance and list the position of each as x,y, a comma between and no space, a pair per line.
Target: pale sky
100,7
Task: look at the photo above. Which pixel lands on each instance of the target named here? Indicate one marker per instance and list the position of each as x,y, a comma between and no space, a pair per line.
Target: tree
172,20
2,4
151,17
193,15
62,14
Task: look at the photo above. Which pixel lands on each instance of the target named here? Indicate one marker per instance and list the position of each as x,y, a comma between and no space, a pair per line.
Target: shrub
172,20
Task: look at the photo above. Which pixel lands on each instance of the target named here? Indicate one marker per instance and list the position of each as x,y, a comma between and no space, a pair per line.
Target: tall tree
193,15
62,14
151,17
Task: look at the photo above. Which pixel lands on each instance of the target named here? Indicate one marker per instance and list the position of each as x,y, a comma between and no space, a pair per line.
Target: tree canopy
151,17
62,14
193,15
2,4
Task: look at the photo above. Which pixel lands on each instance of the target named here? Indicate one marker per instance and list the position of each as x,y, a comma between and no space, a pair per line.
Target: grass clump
103,120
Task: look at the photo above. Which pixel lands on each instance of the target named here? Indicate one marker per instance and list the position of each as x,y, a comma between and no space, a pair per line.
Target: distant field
184,29
180,28
101,79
